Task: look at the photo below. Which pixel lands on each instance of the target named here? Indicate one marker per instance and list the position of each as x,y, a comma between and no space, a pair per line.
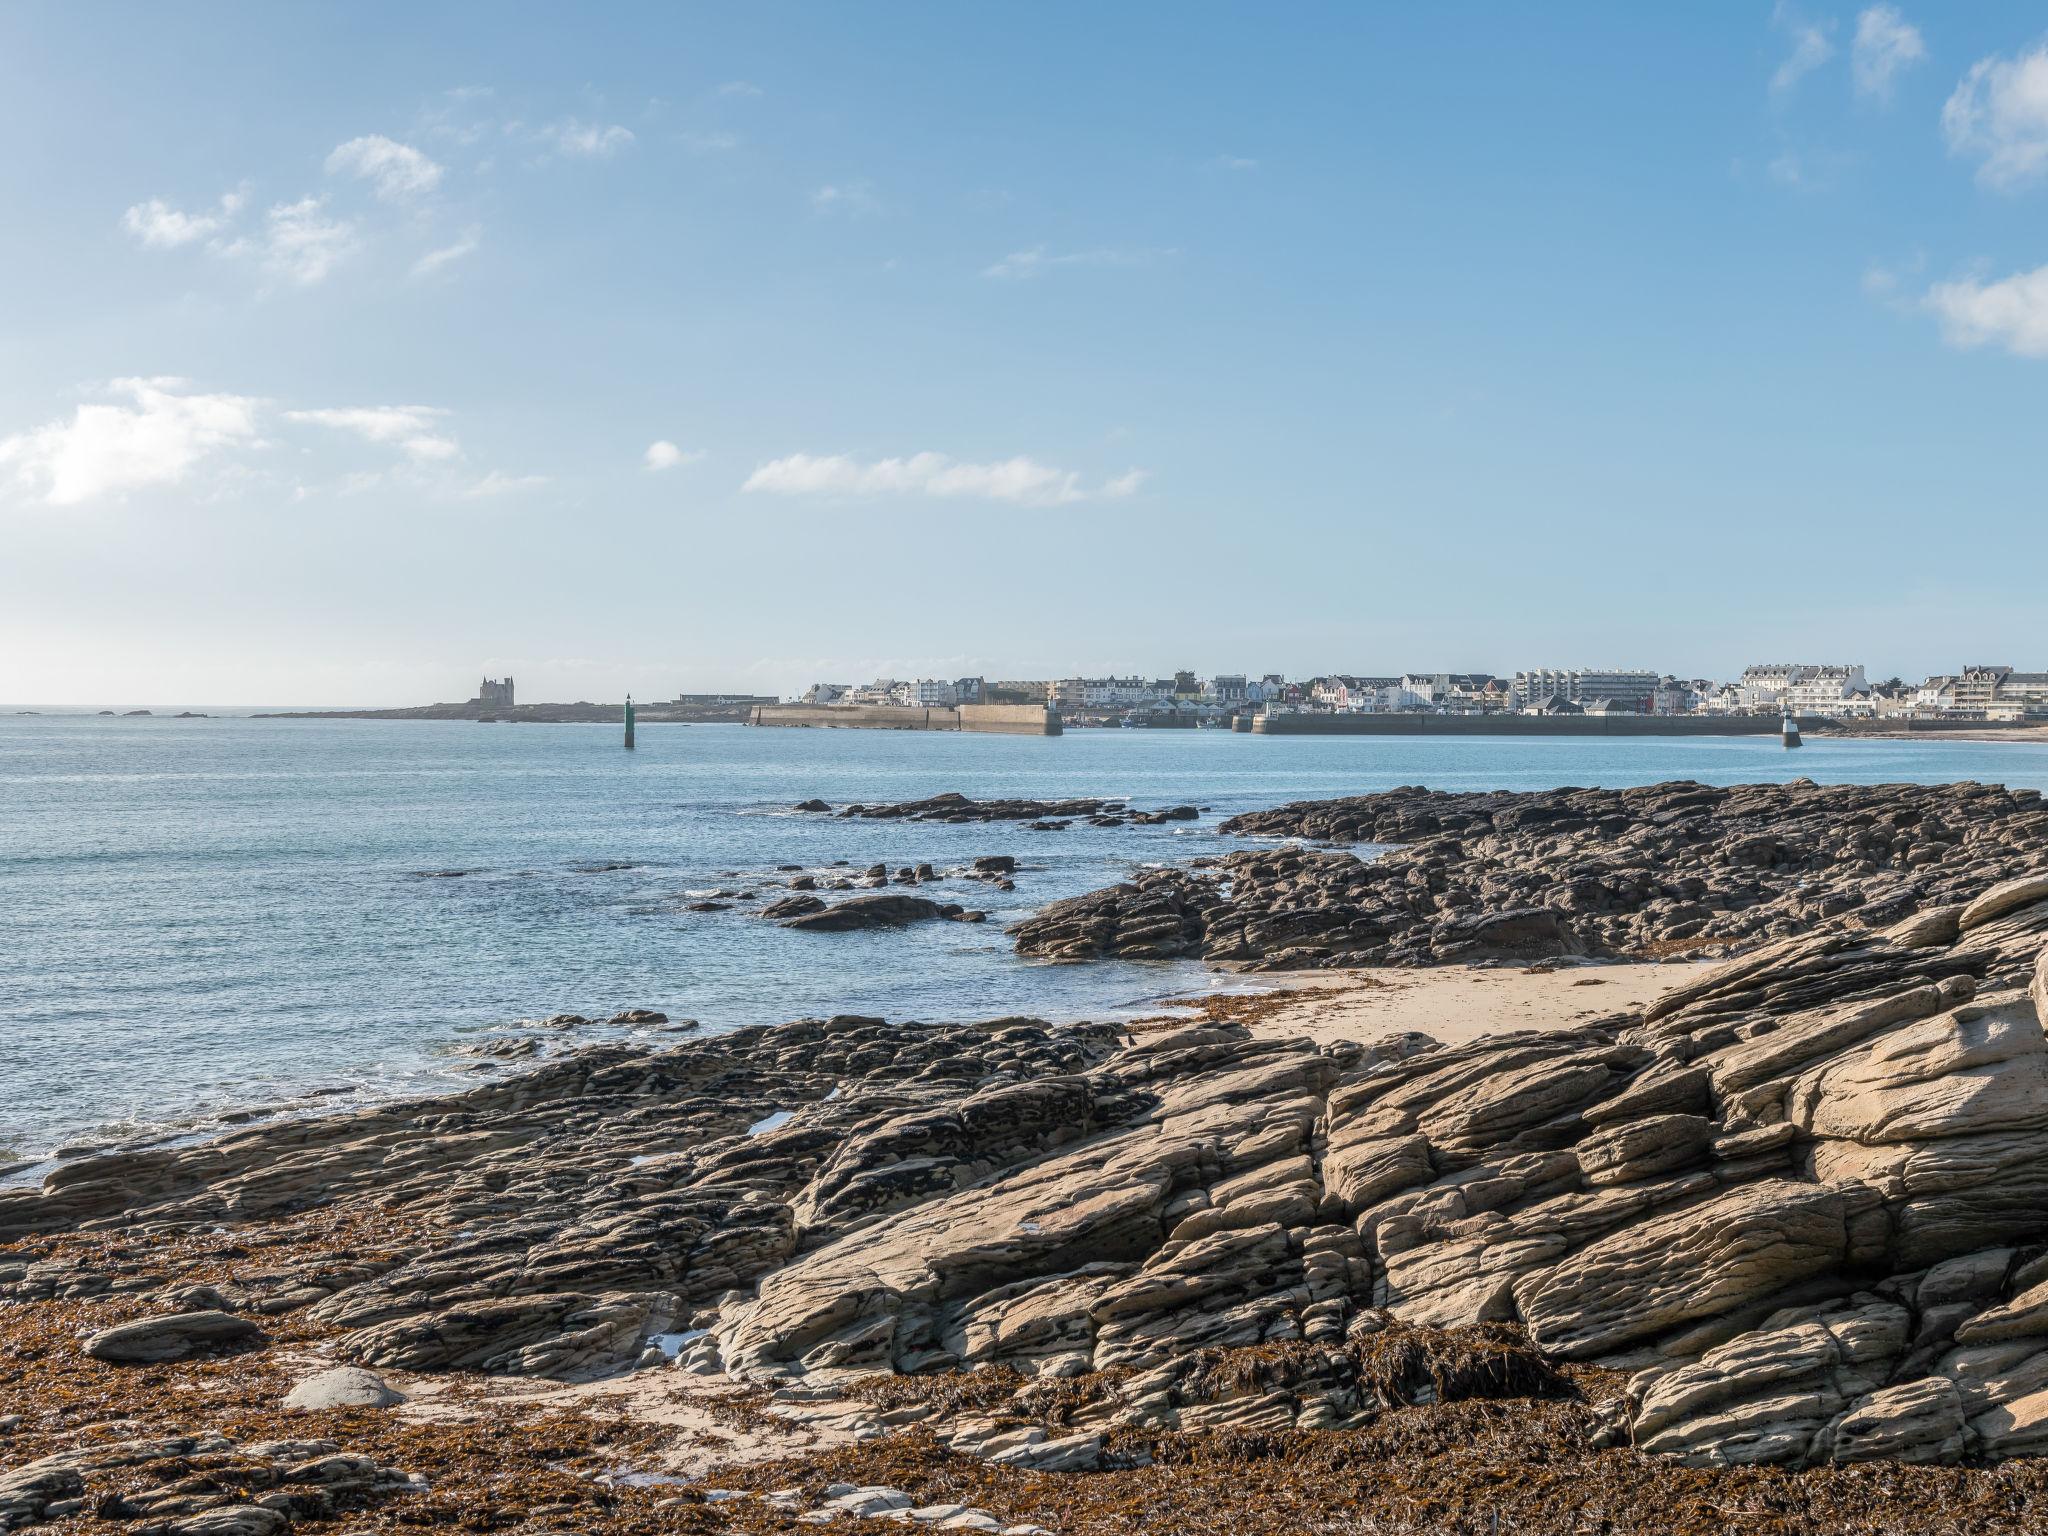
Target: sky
349,352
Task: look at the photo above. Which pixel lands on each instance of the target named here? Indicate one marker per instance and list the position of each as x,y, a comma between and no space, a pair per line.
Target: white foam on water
673,1344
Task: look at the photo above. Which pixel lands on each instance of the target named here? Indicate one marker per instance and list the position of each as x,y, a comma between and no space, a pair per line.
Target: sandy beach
1456,1004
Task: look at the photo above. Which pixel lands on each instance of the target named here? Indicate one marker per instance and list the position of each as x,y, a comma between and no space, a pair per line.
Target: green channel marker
629,722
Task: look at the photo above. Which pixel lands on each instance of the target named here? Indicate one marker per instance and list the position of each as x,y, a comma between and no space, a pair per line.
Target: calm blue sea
203,915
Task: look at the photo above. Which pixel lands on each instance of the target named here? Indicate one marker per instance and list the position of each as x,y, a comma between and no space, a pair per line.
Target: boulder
345,1386
180,1336
881,910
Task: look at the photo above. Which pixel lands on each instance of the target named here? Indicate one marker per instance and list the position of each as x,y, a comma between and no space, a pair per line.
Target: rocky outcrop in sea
1040,814
1636,873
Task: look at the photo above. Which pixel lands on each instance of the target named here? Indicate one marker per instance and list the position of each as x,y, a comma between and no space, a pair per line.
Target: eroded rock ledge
1803,1201
1636,872
1042,814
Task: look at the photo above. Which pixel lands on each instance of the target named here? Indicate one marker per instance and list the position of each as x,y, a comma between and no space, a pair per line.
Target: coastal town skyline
701,345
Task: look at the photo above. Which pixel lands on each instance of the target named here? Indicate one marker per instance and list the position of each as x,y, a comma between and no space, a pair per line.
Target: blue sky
353,350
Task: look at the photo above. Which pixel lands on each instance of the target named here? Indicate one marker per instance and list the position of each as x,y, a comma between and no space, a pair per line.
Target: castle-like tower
495,695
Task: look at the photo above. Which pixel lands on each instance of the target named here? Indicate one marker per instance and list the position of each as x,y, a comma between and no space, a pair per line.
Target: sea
202,919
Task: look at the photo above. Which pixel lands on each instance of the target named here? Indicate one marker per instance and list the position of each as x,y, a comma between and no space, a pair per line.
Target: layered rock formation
1557,873
956,807
1802,1200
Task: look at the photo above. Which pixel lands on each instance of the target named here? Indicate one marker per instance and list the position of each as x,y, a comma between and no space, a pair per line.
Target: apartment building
1634,691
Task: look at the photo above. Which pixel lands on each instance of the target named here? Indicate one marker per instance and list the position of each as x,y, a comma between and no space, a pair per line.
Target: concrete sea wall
998,719
1523,725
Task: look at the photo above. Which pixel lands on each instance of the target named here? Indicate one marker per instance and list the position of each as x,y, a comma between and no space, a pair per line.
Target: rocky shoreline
1770,1251
1634,873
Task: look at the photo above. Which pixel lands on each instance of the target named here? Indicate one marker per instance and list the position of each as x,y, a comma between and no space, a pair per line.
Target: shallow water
203,914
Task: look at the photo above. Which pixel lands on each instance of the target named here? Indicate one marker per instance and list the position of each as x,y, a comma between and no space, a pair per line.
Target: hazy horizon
662,349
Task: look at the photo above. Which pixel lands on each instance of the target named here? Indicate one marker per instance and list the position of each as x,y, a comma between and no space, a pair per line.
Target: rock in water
882,910
1667,868
180,1336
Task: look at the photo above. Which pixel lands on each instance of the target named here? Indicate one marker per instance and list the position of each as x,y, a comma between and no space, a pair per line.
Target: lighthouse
629,722
1788,730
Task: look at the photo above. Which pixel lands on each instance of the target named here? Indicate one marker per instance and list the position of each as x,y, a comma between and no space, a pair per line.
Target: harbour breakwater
986,719
1419,724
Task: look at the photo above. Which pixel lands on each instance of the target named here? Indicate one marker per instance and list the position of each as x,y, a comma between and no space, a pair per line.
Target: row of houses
1824,690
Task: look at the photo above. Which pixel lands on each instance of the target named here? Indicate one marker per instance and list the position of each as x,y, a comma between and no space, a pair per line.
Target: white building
1108,693
926,693
1225,688
2026,691
1828,691
1348,694
881,691
1628,691
826,693
1803,688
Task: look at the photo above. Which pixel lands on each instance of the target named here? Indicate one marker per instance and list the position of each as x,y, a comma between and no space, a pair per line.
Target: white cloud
666,455
497,483
1885,44
1019,480
1020,264
414,429
398,170
300,242
739,88
852,197
2011,313
159,438
1236,163
710,143
1129,483
1810,49
588,141
159,226
1999,115
447,255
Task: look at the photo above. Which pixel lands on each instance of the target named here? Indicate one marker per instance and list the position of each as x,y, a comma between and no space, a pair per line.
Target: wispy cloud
1031,263
161,436
2011,313
1236,163
1811,48
447,255
709,143
413,429
159,226
666,455
853,198
587,141
1886,44
497,483
1998,116
300,242
396,171
1022,481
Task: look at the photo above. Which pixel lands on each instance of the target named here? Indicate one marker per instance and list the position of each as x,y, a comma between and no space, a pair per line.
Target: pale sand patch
711,1435
1454,1004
